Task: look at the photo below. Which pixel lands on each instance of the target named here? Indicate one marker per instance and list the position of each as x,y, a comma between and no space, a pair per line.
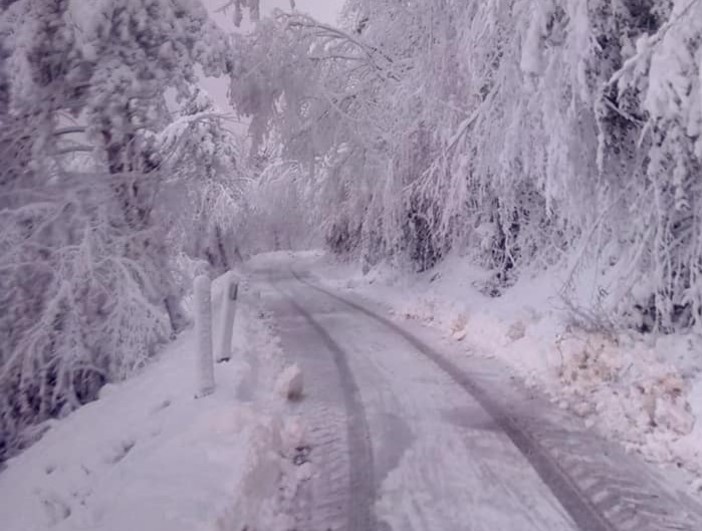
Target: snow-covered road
406,435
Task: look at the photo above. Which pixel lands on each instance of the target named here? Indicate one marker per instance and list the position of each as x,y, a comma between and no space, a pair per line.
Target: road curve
404,439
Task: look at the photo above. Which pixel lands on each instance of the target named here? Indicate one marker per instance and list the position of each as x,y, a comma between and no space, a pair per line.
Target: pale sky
323,10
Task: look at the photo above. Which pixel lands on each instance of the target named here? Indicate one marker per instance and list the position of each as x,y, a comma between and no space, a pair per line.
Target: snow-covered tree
239,6
522,134
657,94
207,180
88,282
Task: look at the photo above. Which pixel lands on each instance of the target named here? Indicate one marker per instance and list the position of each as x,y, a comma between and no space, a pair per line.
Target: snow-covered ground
643,392
149,456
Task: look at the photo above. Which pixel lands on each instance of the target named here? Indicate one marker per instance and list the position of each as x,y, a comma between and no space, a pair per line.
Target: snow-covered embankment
148,455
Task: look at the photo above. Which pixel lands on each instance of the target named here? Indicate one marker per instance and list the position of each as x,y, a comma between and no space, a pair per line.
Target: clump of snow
273,479
294,433
263,489
290,383
634,397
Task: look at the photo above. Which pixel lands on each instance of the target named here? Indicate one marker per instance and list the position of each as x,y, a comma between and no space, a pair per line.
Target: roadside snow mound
149,456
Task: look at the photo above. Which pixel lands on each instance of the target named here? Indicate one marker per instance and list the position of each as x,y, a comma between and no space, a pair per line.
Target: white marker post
203,330
224,352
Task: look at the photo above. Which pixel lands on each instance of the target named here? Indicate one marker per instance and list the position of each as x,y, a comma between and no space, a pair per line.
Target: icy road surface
407,434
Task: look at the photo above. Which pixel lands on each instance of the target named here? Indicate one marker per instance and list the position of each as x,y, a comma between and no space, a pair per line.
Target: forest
526,136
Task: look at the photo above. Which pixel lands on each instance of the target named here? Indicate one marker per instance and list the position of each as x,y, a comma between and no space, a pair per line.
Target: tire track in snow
624,497
579,507
360,493
599,493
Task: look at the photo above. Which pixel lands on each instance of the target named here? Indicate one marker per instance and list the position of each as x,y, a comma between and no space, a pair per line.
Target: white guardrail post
224,352
203,331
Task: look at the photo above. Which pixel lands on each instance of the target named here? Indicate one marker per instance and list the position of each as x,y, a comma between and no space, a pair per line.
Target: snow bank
643,392
149,456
